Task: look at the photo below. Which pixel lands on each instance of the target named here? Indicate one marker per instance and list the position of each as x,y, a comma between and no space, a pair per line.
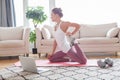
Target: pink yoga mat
92,62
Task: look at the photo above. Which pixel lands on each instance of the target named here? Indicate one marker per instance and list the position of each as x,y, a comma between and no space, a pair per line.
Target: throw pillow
113,32
46,34
51,30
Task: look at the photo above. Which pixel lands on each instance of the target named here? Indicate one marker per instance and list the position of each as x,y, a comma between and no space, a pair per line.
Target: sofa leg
39,54
10,57
27,55
24,55
117,53
46,55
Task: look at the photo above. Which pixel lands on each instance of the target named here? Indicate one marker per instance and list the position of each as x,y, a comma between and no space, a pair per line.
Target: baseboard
100,53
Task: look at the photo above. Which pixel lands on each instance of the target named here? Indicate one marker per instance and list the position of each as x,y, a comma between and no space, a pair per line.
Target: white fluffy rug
64,73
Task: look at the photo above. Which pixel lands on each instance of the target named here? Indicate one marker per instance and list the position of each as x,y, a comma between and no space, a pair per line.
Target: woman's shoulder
65,23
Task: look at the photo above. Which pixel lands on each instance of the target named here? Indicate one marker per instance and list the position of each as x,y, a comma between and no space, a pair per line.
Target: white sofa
91,38
14,41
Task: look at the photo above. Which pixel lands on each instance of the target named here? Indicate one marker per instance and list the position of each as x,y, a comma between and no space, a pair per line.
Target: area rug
64,73
90,62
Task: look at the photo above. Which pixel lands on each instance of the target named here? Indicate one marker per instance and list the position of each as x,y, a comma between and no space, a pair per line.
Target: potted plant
38,16
32,39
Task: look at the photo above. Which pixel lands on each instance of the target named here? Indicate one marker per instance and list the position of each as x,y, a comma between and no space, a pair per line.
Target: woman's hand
68,33
49,55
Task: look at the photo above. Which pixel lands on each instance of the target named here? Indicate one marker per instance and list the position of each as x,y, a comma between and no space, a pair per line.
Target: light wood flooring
4,62
7,62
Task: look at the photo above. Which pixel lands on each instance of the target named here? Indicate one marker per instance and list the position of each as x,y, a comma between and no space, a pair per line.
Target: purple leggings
75,55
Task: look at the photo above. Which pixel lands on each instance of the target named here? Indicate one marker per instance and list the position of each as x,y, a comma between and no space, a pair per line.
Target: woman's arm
53,51
66,25
54,47
55,43
75,25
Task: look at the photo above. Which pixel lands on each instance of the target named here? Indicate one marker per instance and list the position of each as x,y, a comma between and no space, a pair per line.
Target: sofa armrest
38,37
26,33
119,35
38,33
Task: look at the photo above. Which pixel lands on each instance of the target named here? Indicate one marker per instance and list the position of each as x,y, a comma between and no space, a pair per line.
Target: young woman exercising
61,42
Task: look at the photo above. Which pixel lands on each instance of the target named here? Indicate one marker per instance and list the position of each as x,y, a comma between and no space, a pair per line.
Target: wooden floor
7,62
4,62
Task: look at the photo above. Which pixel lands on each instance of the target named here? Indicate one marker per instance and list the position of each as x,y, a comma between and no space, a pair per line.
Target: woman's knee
84,61
51,59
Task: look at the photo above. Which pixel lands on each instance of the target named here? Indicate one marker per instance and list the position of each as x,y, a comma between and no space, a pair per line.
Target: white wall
90,11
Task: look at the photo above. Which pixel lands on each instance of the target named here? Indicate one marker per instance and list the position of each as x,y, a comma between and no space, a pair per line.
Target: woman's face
54,17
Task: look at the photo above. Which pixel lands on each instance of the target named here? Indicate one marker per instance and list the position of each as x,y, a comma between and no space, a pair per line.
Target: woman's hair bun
58,11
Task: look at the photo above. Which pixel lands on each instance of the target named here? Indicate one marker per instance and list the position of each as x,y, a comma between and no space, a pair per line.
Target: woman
61,40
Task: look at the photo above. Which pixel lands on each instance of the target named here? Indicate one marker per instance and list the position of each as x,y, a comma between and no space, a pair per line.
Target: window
18,4
19,10
43,3
90,11
81,11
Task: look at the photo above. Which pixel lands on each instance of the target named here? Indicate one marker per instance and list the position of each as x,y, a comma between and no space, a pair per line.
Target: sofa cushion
11,43
95,30
97,40
45,33
51,30
113,32
11,33
47,42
